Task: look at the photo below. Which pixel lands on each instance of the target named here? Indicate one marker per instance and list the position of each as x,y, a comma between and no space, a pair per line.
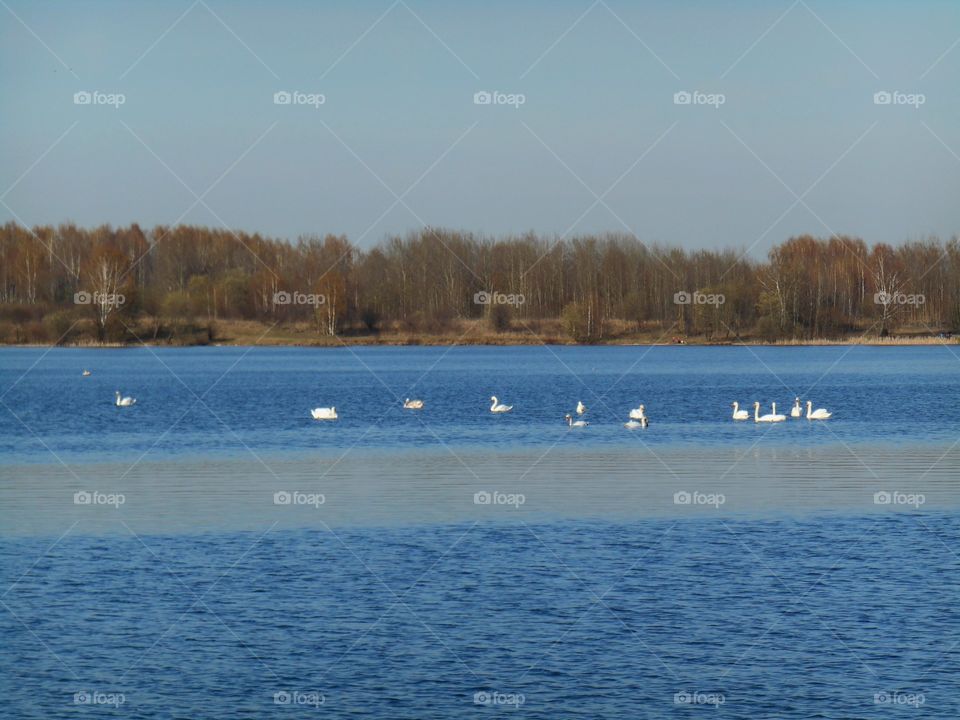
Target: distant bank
470,332
190,285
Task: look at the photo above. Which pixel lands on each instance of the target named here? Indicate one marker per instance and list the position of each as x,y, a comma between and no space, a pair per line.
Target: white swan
85,373
757,417
329,413
125,401
818,414
581,408
739,414
575,424
409,404
637,413
796,411
497,407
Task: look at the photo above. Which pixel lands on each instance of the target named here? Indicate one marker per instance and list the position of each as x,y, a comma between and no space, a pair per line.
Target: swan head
809,403
568,416
757,405
493,398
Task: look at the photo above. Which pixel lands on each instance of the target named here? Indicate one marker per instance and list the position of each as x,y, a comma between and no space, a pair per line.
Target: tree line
70,284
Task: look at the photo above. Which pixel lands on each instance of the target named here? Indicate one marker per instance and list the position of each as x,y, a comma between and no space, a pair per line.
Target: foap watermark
98,298
95,97
895,497
696,497
282,497
298,298
494,697
298,698
898,697
284,97
686,97
94,697
696,697
484,97
698,298
498,298
899,298
499,498
895,97
82,497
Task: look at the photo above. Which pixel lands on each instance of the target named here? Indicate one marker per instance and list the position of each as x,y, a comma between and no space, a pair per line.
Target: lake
212,551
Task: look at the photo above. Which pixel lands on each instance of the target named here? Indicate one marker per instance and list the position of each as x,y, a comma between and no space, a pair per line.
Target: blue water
400,597
199,401
785,619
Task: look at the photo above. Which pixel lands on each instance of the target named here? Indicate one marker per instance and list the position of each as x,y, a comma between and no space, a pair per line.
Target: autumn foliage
176,283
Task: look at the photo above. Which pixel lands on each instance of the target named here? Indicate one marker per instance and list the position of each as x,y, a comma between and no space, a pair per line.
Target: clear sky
798,117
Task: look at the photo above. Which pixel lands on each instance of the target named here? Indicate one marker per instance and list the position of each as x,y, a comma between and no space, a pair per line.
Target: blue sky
198,79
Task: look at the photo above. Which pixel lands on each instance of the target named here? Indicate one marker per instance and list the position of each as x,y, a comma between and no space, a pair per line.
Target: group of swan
770,417
330,413
773,417
638,418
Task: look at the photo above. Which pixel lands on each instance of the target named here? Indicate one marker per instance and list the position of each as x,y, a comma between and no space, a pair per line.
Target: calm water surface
203,401
237,559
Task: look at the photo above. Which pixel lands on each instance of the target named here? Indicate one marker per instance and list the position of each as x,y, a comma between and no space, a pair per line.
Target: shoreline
439,341
468,332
